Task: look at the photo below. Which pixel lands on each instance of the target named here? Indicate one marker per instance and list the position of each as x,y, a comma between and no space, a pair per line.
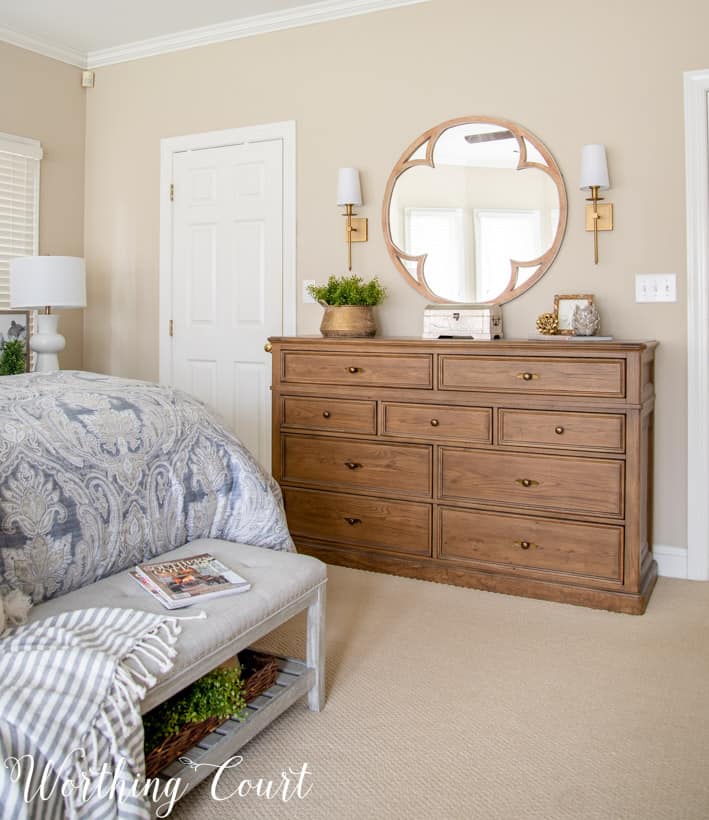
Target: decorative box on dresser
522,467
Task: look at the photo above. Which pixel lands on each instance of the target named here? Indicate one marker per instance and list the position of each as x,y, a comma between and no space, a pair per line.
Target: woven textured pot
348,321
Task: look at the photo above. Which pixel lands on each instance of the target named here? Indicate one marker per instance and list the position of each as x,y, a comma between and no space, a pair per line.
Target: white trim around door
284,131
696,93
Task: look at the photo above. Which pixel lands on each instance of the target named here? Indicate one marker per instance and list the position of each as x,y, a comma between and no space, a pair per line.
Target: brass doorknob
268,347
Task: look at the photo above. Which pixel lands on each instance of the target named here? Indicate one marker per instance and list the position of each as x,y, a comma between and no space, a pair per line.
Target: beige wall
360,90
45,101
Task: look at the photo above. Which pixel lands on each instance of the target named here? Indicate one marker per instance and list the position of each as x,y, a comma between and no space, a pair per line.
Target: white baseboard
671,561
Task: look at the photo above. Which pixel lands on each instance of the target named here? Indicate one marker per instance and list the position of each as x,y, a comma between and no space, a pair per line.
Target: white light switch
655,287
307,298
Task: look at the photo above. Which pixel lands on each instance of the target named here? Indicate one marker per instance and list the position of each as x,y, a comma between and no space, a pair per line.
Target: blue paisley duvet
99,473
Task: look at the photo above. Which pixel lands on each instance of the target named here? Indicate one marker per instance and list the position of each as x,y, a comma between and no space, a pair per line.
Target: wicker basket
259,673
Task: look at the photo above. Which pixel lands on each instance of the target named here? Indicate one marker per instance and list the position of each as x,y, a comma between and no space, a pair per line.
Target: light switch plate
655,287
307,298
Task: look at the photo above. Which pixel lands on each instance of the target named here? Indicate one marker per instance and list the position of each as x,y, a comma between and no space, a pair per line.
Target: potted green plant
180,722
12,358
348,302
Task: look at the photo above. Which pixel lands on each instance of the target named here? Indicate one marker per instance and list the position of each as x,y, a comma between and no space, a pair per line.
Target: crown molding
309,14
63,53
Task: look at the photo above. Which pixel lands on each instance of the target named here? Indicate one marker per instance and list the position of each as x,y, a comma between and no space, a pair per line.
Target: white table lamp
47,282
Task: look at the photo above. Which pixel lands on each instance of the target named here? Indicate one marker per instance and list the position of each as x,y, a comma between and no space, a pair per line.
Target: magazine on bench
185,581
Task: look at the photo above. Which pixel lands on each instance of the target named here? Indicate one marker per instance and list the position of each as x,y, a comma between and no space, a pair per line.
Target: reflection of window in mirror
501,235
438,232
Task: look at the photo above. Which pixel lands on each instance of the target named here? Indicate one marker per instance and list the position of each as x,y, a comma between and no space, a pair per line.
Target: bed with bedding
99,473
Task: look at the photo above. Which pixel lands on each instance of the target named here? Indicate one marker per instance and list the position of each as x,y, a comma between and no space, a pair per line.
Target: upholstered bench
282,585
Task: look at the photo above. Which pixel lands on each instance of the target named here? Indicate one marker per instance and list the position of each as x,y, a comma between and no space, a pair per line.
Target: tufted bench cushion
282,584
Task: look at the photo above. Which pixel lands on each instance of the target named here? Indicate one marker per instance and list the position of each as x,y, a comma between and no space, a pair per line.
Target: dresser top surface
567,344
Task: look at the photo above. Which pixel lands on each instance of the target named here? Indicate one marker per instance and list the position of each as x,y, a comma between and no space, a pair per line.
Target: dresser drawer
549,428
376,370
339,415
563,483
437,421
591,550
398,526
545,375
404,468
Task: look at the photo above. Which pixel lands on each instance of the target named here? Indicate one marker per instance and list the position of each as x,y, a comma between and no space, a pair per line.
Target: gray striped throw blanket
71,737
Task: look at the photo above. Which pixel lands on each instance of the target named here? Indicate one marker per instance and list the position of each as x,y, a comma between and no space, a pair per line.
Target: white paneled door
227,281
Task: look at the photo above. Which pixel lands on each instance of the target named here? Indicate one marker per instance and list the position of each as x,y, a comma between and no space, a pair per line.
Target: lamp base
46,343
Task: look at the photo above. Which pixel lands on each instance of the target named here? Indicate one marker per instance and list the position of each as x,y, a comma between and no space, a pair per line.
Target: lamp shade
56,281
348,189
594,167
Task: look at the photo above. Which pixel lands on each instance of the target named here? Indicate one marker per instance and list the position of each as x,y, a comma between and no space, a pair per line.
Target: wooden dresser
512,466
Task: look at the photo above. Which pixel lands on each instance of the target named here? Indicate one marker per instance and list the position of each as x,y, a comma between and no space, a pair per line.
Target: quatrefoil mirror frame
424,146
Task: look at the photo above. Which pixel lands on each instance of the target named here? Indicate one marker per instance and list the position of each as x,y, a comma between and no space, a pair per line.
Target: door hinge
172,192
171,328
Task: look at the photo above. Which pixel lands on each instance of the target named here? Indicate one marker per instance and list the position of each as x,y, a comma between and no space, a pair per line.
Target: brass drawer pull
525,545
559,430
528,376
326,414
352,465
353,521
354,369
435,422
527,482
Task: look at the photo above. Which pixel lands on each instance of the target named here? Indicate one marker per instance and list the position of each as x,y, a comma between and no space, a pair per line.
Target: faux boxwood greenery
219,693
348,290
12,358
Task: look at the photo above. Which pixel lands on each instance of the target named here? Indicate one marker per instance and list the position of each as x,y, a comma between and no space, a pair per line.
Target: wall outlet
655,287
307,298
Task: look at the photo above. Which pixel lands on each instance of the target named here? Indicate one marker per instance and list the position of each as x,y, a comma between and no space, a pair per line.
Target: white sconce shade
594,167
54,281
348,188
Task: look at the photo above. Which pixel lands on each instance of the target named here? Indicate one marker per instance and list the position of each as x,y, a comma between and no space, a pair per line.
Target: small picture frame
15,324
564,305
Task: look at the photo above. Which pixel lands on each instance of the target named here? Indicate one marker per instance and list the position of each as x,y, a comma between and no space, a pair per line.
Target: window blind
19,204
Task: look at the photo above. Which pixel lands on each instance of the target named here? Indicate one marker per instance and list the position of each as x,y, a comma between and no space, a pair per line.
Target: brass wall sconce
594,178
349,194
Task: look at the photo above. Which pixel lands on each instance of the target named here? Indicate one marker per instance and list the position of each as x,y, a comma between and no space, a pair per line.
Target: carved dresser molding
522,467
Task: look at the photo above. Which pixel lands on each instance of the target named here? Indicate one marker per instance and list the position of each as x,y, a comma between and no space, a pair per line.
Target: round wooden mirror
474,211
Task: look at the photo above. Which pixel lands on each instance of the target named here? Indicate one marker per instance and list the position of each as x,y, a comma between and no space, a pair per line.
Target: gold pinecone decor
547,323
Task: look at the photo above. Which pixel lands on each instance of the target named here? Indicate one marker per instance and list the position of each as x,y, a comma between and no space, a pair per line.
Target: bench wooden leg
315,649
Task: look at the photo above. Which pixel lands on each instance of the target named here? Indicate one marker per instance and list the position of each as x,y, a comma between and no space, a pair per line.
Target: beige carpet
453,703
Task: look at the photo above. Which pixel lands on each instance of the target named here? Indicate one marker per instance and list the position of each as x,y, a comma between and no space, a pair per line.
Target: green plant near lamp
348,303
12,358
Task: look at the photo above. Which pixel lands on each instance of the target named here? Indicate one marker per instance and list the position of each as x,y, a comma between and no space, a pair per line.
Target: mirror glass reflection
474,224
